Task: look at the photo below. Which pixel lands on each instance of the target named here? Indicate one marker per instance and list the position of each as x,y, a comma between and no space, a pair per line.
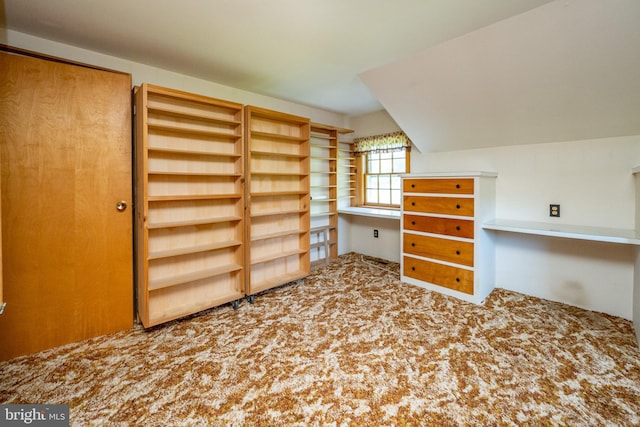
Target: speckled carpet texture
350,345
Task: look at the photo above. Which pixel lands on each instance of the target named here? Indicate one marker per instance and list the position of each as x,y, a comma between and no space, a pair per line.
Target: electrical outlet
375,233
554,210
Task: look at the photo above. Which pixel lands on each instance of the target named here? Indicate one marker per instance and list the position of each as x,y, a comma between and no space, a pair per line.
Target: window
382,159
382,177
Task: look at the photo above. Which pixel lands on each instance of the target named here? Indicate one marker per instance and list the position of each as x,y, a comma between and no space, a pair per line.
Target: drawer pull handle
413,203
457,227
413,244
413,269
457,185
413,186
457,252
457,279
413,223
457,206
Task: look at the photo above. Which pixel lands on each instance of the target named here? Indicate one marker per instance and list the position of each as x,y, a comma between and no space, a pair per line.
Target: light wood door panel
1,299
66,163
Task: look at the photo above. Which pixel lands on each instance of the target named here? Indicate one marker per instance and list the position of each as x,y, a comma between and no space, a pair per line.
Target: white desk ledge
449,174
598,234
372,212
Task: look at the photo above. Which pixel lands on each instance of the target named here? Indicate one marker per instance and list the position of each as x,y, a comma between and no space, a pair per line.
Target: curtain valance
395,141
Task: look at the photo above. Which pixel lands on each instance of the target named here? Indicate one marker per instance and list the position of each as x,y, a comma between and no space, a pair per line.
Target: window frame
362,173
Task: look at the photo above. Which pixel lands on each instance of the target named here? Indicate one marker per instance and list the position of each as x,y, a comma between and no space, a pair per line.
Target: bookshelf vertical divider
189,177
277,164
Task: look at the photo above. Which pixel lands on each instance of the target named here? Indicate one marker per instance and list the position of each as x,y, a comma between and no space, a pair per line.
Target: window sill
372,212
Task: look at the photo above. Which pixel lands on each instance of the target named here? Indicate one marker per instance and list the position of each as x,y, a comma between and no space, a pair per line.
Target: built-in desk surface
372,212
598,234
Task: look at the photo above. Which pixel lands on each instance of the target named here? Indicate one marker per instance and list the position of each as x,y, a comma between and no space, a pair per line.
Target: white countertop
372,212
598,234
449,174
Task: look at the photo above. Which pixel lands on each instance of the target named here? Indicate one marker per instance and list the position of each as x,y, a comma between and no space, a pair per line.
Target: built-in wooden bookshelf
324,193
325,167
189,203
277,198
346,171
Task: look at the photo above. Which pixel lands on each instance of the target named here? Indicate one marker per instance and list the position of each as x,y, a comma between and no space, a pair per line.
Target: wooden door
66,164
2,304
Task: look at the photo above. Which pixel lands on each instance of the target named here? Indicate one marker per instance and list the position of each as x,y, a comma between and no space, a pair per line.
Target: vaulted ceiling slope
568,70
306,51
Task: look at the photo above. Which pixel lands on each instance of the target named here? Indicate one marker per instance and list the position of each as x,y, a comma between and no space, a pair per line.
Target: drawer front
442,249
440,205
438,185
454,278
447,226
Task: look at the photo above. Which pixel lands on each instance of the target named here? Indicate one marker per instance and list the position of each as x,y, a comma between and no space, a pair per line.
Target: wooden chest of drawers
443,245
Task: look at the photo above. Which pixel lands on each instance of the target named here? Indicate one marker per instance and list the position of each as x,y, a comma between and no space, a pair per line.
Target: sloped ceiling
568,70
306,51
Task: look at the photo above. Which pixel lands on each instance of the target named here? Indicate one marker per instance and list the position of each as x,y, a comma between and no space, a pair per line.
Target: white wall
592,275
636,297
591,179
636,288
356,233
593,182
375,123
142,73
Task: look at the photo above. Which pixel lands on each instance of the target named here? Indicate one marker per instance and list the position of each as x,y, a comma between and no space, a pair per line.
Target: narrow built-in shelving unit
326,186
189,203
346,176
277,199
324,193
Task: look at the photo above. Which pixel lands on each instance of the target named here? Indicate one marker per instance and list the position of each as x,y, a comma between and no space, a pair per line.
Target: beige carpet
349,345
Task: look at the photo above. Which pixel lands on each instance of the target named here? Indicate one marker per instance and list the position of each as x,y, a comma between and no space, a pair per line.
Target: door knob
121,206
